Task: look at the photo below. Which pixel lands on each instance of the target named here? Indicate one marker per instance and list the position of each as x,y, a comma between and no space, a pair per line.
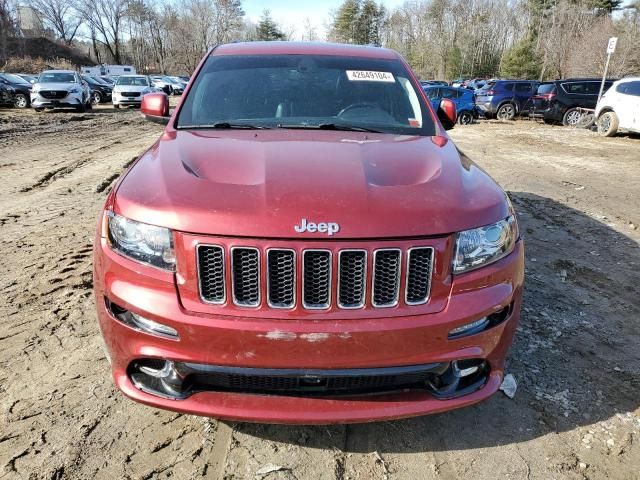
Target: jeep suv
305,244
60,89
504,99
560,101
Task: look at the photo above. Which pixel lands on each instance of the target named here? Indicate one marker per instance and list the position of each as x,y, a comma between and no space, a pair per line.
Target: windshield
14,78
135,81
305,91
99,81
57,77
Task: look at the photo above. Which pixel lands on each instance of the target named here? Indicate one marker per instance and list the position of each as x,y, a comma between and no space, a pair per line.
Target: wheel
115,105
96,98
608,124
465,118
506,112
21,101
571,117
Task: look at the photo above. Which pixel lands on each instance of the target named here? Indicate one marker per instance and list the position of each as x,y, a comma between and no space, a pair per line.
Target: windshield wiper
330,126
225,125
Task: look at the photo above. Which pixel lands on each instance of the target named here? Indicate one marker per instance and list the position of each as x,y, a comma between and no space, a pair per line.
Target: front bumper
69,101
118,100
217,342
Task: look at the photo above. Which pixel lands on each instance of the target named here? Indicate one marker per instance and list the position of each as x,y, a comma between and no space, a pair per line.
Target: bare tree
106,19
59,15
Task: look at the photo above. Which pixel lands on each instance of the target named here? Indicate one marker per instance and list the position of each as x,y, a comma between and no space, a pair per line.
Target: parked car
169,86
129,90
475,84
7,95
560,101
100,92
504,99
463,98
180,81
304,244
426,83
619,108
110,80
22,89
29,78
60,89
457,83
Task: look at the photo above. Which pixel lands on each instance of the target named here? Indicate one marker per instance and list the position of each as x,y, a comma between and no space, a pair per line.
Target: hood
263,183
56,86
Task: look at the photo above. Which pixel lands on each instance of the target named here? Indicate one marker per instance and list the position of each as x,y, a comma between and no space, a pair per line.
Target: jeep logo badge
322,227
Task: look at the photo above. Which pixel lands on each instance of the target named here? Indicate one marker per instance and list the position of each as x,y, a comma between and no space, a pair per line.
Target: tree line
441,39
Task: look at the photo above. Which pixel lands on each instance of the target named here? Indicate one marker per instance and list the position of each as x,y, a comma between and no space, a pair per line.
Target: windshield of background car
57,77
305,91
135,81
15,79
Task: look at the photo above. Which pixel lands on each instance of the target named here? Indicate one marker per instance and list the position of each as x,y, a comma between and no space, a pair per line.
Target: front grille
310,274
352,278
316,279
281,278
211,269
245,276
419,272
53,94
130,94
386,277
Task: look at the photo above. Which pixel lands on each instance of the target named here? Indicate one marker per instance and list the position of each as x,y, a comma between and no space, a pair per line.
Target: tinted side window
593,88
575,88
546,88
523,87
507,87
449,93
432,93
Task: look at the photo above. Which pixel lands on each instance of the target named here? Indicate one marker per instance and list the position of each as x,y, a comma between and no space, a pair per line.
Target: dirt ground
576,414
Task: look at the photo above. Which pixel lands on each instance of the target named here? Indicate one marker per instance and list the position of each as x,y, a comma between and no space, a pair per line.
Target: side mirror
155,107
447,113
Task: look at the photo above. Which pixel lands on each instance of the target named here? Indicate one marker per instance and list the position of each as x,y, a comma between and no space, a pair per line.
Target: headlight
142,242
484,245
75,90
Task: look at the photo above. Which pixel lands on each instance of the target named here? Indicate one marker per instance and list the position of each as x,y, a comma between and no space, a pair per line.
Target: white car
60,89
129,90
619,108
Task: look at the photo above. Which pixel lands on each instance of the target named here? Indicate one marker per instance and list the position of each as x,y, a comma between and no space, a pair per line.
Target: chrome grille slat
419,272
386,277
316,279
352,278
281,278
211,273
245,276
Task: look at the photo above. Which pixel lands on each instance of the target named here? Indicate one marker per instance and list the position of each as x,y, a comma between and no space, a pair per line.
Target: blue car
504,99
463,98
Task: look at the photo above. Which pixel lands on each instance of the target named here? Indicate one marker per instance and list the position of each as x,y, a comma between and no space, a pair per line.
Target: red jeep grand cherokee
305,244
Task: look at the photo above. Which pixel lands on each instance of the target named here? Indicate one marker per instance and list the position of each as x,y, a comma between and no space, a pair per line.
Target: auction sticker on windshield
368,76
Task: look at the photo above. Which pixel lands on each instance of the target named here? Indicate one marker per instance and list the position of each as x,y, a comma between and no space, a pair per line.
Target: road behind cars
575,414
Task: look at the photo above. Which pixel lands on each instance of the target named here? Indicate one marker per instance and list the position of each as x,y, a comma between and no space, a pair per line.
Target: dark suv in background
560,100
22,89
504,99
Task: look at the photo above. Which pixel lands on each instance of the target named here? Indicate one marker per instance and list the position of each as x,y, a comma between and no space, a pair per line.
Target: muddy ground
576,413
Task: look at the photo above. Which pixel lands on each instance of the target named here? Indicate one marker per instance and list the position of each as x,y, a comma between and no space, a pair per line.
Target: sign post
611,47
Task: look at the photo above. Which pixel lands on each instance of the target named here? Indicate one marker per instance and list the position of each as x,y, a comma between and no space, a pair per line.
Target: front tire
21,101
96,98
608,124
571,117
506,112
465,118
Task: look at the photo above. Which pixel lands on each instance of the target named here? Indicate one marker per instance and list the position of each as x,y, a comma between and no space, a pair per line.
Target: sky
291,15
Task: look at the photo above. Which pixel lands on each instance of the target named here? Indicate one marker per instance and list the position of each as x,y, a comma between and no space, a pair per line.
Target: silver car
129,90
60,89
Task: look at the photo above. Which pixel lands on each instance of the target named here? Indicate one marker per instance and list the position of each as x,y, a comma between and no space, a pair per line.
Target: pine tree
344,24
268,29
521,61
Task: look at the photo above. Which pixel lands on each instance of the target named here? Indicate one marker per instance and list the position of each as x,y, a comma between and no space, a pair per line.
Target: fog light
141,323
469,328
